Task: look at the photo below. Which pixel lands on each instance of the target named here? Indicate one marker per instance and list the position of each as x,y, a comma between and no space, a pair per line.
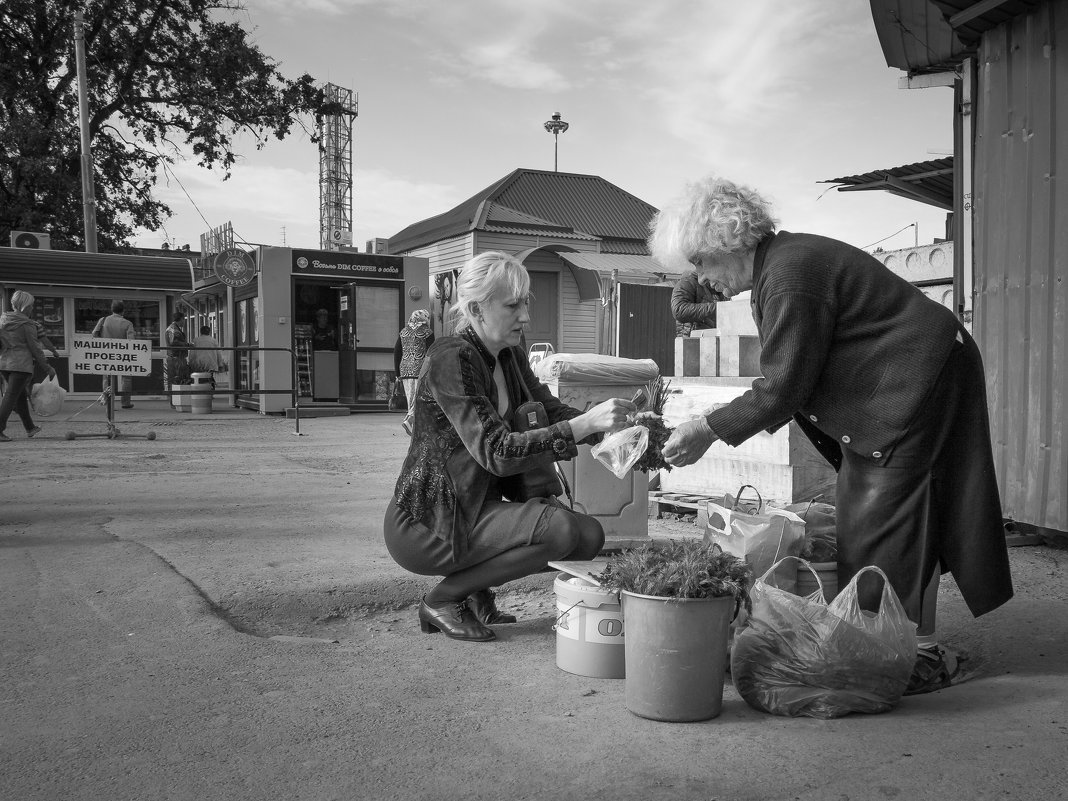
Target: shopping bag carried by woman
47,397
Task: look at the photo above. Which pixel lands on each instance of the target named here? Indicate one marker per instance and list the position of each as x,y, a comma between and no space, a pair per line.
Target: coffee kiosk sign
234,267
347,265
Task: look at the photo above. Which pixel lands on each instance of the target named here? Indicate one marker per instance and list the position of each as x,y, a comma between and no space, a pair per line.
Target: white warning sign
98,356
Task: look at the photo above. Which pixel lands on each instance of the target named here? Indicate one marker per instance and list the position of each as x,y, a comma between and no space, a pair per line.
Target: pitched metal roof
558,204
103,270
935,35
929,182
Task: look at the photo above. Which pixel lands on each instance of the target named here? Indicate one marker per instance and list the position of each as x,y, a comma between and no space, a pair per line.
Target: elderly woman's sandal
936,668
484,606
453,620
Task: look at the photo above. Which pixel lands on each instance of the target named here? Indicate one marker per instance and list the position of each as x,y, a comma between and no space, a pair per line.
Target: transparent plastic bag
47,397
802,657
620,451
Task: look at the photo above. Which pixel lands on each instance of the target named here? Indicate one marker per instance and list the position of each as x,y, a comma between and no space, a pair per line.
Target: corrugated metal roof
569,204
929,182
103,270
629,265
502,219
935,35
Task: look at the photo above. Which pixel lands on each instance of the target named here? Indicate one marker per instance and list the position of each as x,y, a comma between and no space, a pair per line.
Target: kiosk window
377,316
49,313
144,314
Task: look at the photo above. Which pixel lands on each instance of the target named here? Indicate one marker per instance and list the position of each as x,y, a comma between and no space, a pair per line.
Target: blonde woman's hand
610,415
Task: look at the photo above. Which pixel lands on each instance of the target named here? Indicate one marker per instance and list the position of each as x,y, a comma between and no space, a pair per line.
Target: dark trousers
15,398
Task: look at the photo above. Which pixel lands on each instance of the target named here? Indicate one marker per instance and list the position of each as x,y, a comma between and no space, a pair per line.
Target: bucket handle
563,614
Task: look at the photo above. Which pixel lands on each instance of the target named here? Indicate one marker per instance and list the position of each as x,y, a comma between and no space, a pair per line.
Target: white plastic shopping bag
47,397
762,537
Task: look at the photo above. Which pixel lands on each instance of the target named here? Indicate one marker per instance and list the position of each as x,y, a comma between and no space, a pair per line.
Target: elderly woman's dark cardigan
462,451
854,352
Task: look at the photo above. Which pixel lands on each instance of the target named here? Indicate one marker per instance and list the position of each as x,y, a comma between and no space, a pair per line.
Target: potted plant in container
678,599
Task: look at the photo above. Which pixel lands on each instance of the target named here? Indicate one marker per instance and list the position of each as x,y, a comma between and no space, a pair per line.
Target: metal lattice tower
335,170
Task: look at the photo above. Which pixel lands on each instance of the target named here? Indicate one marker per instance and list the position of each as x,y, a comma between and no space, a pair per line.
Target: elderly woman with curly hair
887,384
457,511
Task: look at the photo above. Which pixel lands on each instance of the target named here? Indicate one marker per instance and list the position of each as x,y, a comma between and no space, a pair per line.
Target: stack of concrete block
713,367
730,350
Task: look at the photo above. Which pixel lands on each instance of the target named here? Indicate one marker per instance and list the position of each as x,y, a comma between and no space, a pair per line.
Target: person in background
412,344
450,515
205,356
19,352
887,384
693,304
116,326
324,335
175,366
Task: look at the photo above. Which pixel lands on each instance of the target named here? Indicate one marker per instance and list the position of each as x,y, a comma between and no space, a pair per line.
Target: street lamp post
556,126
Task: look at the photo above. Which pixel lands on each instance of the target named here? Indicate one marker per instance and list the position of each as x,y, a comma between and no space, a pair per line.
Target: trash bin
583,380
200,399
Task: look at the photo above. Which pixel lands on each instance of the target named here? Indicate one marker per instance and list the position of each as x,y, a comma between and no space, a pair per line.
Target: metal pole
556,152
88,200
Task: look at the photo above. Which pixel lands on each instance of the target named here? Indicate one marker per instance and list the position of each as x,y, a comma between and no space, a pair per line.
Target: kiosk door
369,320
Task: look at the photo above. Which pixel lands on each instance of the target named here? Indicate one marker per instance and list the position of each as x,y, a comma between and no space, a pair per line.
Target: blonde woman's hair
711,217
21,301
484,276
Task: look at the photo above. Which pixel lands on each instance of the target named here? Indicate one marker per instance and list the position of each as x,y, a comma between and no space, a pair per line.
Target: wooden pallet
684,504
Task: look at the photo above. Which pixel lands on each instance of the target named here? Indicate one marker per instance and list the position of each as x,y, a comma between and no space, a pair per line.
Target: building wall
1021,258
930,267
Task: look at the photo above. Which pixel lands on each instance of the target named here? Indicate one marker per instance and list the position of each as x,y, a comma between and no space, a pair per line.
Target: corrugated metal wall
1021,258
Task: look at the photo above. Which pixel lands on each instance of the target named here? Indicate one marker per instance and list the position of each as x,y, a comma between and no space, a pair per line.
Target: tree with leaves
165,78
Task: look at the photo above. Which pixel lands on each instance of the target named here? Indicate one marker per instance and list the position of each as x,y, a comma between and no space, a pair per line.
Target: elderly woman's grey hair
486,275
21,301
711,217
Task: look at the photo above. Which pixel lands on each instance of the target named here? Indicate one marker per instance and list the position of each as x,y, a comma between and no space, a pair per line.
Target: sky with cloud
453,96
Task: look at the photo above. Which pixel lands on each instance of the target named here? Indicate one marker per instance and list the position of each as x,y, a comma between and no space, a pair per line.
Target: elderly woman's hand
688,442
611,415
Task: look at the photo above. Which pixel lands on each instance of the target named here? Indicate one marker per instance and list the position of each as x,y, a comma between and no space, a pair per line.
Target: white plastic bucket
589,629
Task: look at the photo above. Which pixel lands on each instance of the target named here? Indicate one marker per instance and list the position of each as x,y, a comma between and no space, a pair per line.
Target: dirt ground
211,614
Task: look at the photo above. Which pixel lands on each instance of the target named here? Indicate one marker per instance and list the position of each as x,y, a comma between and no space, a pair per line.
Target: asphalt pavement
211,614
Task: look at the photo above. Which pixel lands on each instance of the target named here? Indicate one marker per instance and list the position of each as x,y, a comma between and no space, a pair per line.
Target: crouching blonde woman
457,511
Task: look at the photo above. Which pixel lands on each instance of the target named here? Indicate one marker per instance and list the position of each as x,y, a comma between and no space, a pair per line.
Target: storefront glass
247,335
48,311
144,314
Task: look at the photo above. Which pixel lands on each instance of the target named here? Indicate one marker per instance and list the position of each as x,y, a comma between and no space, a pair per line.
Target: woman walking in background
19,352
413,342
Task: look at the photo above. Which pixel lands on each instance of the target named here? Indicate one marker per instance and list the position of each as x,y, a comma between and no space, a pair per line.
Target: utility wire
888,237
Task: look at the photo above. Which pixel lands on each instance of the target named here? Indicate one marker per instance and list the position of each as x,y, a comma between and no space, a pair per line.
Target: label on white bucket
597,626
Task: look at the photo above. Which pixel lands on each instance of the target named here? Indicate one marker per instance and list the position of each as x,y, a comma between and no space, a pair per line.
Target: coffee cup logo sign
234,267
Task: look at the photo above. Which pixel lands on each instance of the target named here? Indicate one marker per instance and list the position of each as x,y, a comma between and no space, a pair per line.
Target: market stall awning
928,182
935,35
102,270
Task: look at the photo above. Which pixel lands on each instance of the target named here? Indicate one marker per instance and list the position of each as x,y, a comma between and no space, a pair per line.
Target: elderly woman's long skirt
934,503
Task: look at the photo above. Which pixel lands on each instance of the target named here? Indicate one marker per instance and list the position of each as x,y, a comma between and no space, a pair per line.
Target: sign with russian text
347,264
99,356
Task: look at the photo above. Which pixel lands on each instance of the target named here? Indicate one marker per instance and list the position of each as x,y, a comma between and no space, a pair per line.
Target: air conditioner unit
29,239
